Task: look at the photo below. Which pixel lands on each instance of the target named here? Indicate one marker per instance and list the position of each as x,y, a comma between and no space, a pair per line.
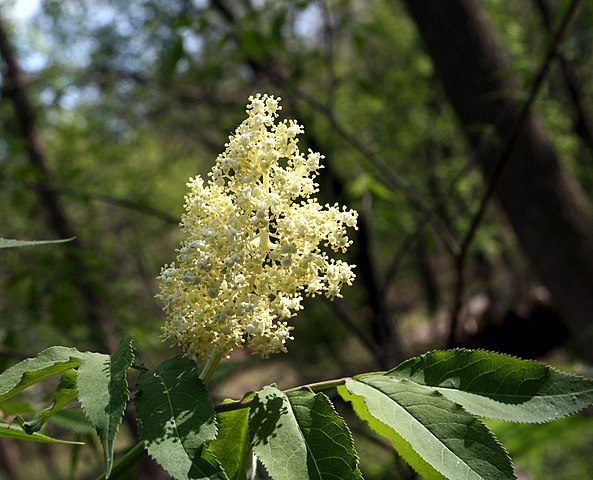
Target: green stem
228,407
125,463
210,366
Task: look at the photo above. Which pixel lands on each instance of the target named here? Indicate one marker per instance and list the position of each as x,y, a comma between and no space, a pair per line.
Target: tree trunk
547,209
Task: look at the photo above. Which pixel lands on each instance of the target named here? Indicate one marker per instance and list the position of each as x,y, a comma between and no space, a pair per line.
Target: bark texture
549,212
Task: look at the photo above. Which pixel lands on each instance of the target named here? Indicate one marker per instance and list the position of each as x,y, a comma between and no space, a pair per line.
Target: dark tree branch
386,173
387,349
123,203
582,123
507,147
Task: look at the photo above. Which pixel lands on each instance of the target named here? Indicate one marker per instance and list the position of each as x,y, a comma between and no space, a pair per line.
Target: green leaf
403,448
176,417
275,436
103,393
498,386
64,394
231,446
452,441
49,362
206,467
329,441
11,243
300,436
8,430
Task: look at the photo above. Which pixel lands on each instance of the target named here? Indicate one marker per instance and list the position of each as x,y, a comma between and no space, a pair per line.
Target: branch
386,173
229,407
582,126
502,161
106,199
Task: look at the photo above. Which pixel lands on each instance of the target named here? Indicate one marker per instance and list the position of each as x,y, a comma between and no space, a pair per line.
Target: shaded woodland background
460,130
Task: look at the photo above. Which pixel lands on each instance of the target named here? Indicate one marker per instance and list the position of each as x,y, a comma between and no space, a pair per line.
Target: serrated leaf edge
156,373
509,356
478,420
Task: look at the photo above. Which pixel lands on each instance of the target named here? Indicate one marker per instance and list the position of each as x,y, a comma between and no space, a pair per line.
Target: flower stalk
210,367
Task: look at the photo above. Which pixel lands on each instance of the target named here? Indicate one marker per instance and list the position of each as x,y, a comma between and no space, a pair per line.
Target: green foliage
231,446
498,386
558,449
10,243
73,420
16,406
427,407
453,441
50,362
65,393
300,436
176,417
123,123
8,430
403,448
99,383
103,393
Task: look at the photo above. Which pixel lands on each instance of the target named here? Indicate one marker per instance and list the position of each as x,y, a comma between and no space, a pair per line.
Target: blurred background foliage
129,98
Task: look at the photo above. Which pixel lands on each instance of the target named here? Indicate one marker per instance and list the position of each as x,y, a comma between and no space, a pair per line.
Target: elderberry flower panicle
257,240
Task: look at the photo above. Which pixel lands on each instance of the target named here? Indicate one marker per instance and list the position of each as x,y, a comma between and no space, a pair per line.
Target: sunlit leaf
49,362
452,441
498,386
103,392
11,243
300,436
8,430
231,446
403,448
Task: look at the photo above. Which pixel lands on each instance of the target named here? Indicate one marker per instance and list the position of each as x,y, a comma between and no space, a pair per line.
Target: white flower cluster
254,243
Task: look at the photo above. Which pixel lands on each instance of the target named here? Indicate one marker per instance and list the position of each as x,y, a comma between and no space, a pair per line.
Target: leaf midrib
174,418
445,447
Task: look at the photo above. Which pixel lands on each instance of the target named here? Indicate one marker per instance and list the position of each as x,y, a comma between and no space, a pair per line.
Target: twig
387,175
345,316
583,126
317,386
106,199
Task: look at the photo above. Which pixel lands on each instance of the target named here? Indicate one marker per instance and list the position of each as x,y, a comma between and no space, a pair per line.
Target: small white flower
254,242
